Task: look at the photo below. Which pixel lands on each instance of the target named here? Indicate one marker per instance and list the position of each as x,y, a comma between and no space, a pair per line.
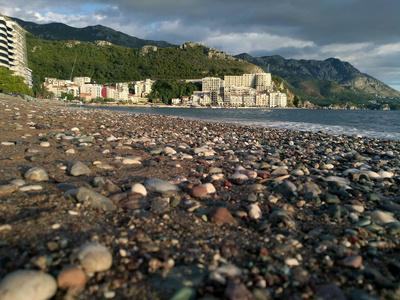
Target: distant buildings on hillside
13,54
247,90
83,88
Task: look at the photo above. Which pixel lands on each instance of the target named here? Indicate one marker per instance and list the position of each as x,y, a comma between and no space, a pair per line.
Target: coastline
268,213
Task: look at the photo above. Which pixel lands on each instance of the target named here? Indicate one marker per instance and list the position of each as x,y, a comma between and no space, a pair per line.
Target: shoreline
187,206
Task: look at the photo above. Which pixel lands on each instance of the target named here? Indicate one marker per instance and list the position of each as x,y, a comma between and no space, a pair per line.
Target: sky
365,33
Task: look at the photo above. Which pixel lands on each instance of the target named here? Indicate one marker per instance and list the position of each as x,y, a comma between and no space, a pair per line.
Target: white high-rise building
212,84
13,53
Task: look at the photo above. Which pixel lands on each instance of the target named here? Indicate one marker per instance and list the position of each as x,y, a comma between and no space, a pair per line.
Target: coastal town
248,90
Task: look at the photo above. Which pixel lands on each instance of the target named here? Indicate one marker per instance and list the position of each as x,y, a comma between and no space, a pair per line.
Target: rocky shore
96,204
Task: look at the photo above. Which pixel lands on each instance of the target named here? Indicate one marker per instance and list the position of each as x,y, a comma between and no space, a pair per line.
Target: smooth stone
29,188
239,176
354,208
7,189
70,151
215,171
27,284
132,160
36,174
385,174
280,171
210,188
71,276
329,291
8,143
184,293
286,189
292,262
169,151
74,129
371,175
160,186
199,191
86,139
297,172
139,188
220,215
94,257
363,223
338,180
330,199
280,216
254,211
382,218
311,191
130,200
95,199
18,182
44,144
78,168
353,261
235,291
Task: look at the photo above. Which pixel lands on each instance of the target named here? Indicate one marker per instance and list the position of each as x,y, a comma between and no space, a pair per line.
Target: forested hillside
106,63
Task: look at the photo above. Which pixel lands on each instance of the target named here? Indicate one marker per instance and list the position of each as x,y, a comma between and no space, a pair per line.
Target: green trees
168,89
13,84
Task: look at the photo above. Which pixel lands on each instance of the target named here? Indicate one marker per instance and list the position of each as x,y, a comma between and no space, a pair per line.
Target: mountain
62,32
320,82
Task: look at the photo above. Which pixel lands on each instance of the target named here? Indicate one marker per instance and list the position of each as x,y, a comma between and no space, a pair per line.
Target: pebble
353,261
78,168
254,211
7,189
220,215
45,144
139,188
71,276
27,284
155,185
95,199
30,188
94,257
36,174
382,218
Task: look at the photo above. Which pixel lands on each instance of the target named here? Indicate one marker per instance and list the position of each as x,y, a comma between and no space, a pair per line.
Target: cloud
363,32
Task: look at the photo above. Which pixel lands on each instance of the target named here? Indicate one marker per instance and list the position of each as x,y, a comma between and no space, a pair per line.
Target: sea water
368,123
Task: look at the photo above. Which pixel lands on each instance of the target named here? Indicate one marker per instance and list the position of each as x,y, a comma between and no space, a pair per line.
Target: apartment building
92,89
277,99
143,88
212,84
81,80
123,91
258,81
13,53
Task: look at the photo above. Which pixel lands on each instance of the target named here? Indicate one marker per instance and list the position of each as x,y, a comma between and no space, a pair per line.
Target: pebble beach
96,204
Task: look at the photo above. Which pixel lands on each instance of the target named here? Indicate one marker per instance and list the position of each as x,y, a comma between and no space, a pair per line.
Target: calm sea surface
377,124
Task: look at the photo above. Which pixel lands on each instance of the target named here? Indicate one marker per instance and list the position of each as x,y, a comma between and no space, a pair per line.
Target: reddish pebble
71,277
199,191
220,215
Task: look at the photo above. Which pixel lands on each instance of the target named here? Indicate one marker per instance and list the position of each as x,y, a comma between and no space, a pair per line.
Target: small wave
329,129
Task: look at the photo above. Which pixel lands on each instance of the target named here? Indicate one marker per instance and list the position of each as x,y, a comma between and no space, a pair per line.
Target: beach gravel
140,206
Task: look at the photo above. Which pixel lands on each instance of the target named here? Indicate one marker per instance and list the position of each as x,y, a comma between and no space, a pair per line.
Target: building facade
13,53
